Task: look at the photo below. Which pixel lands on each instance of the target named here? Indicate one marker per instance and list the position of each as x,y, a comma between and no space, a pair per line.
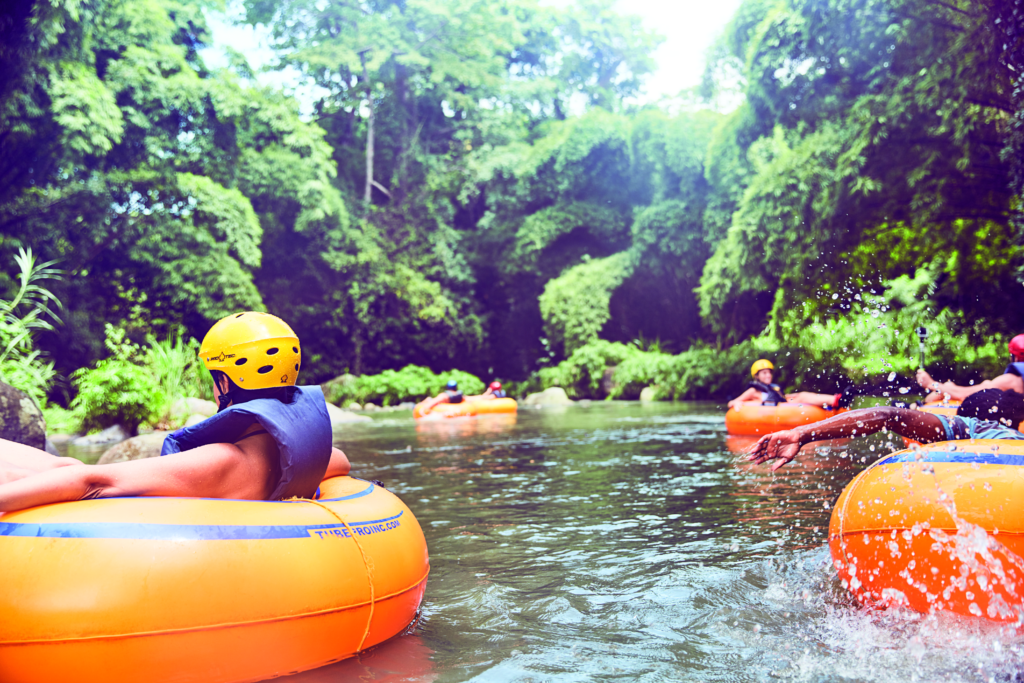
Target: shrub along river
623,541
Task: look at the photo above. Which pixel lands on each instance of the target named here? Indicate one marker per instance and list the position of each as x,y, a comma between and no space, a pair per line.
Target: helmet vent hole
296,367
295,349
241,361
240,315
265,369
271,352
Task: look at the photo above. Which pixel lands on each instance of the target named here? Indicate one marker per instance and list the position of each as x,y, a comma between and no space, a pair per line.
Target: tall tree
875,123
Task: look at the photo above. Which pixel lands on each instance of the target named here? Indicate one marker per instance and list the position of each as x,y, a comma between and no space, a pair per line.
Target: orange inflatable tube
939,527
489,406
217,591
753,419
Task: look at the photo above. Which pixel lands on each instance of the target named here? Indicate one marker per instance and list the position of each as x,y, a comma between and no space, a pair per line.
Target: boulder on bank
21,420
109,435
648,394
194,406
335,388
194,419
135,448
340,417
552,396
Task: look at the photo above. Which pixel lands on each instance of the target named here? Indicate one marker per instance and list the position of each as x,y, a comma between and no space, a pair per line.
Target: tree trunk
402,87
368,189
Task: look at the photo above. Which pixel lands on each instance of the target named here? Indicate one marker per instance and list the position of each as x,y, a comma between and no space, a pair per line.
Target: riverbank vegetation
525,217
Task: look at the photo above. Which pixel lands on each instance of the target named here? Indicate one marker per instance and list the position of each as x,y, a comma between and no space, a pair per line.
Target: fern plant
28,312
176,367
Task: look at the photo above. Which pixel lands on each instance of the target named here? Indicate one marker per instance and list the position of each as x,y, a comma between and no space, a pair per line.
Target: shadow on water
625,541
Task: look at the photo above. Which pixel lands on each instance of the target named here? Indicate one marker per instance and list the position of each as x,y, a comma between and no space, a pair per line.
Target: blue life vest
301,428
771,394
454,395
500,393
1014,369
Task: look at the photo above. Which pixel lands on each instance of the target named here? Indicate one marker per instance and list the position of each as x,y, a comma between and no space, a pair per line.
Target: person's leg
429,404
811,398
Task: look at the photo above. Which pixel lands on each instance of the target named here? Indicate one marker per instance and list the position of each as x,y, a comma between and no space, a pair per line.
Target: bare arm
784,445
430,403
1005,382
24,457
213,471
751,394
339,465
812,399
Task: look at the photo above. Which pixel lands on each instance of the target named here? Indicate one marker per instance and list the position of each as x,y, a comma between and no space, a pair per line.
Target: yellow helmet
255,350
760,365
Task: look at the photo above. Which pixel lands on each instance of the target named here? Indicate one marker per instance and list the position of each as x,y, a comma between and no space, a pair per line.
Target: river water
622,541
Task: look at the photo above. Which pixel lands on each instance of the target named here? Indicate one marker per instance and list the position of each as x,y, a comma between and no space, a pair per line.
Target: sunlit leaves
85,109
575,304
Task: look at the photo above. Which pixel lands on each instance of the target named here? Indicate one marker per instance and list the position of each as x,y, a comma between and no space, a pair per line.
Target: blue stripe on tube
954,456
177,532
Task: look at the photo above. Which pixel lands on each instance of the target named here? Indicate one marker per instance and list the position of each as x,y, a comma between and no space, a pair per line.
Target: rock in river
20,418
108,435
339,416
135,448
194,406
552,396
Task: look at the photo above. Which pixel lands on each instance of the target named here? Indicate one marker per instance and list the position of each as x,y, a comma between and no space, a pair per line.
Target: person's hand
924,379
782,446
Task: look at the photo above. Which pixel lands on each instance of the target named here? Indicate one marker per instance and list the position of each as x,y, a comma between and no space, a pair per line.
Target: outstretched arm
431,403
783,446
22,457
1004,382
214,471
812,399
751,394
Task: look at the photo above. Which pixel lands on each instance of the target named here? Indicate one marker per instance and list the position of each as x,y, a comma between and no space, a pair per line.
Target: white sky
689,28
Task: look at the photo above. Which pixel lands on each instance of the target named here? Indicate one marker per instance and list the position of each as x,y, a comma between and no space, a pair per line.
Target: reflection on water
625,542
400,660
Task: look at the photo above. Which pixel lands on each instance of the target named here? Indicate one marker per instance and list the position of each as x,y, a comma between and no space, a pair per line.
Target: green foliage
523,211
581,374
702,372
176,367
863,136
575,304
411,383
28,312
876,337
137,384
873,339
60,420
119,389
